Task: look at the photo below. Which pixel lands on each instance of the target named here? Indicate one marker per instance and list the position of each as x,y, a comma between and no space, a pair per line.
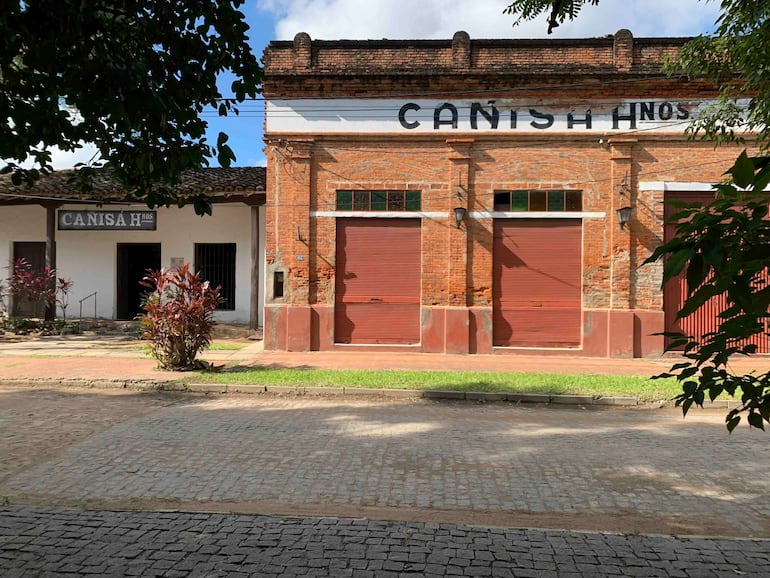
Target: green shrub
21,325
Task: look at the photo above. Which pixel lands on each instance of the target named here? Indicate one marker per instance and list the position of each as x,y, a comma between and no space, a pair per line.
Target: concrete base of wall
606,333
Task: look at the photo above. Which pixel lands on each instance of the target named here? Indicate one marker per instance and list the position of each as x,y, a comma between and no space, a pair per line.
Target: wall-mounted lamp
300,238
624,212
624,215
459,215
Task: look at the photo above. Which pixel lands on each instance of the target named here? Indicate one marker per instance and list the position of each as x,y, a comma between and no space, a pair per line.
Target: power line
349,107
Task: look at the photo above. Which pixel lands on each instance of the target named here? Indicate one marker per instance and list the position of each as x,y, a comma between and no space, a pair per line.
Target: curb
134,384
481,396
477,396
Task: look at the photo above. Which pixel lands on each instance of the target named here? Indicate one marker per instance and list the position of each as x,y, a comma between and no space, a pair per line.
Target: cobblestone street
44,542
328,464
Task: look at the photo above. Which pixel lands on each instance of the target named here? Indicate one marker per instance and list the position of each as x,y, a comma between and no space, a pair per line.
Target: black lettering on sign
544,116
647,110
402,115
665,111
437,120
631,116
492,117
682,113
514,119
586,120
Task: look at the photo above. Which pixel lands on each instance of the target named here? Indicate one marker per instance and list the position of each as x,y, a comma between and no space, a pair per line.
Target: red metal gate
705,318
378,281
537,284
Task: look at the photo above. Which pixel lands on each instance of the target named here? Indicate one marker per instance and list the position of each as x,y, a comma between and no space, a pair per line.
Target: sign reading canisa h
310,115
107,220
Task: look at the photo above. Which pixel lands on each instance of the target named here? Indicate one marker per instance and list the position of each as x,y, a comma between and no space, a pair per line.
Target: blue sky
375,19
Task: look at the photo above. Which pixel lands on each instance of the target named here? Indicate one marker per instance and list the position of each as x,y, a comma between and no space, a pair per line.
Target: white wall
89,258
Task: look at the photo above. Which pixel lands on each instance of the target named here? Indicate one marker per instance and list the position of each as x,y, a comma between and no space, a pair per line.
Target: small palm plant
179,316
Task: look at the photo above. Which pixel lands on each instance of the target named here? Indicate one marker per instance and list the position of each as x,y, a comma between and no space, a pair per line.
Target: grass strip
224,346
642,388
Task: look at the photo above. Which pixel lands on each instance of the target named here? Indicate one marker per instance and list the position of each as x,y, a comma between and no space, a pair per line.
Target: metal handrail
80,304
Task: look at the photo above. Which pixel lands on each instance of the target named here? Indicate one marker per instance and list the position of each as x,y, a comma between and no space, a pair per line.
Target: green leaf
676,263
699,397
733,422
755,420
696,272
742,171
225,155
762,178
712,254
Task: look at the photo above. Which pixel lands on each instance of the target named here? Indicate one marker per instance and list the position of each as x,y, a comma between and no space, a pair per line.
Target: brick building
464,195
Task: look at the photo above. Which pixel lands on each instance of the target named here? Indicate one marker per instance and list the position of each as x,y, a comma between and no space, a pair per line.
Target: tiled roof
242,181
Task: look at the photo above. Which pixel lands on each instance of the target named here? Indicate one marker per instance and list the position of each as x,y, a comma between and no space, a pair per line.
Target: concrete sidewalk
115,346
120,357
87,358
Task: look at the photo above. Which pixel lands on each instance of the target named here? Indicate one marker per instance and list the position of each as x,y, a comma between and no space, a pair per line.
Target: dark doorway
134,260
33,253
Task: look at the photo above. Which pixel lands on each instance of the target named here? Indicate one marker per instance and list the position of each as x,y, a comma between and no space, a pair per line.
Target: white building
106,248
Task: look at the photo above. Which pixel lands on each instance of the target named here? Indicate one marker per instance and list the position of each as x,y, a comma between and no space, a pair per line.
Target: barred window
538,200
216,264
379,200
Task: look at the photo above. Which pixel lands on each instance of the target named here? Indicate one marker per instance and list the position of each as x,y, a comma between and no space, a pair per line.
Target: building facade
463,196
105,249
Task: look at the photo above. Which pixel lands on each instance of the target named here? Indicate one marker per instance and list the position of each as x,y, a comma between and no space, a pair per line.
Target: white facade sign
405,116
89,220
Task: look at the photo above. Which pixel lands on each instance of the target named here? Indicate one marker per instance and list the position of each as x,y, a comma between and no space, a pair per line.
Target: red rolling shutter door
537,283
705,319
378,281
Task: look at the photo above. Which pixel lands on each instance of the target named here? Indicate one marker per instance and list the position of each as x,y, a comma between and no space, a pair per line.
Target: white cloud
374,19
67,159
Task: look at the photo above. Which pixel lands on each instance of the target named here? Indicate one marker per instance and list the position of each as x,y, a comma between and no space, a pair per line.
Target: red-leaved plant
26,284
179,316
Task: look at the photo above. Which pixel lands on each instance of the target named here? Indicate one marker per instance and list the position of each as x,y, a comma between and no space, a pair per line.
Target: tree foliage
132,77
560,10
722,248
734,58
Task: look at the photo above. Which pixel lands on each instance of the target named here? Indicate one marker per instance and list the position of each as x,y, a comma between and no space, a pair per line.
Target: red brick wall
372,68
405,56
304,175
